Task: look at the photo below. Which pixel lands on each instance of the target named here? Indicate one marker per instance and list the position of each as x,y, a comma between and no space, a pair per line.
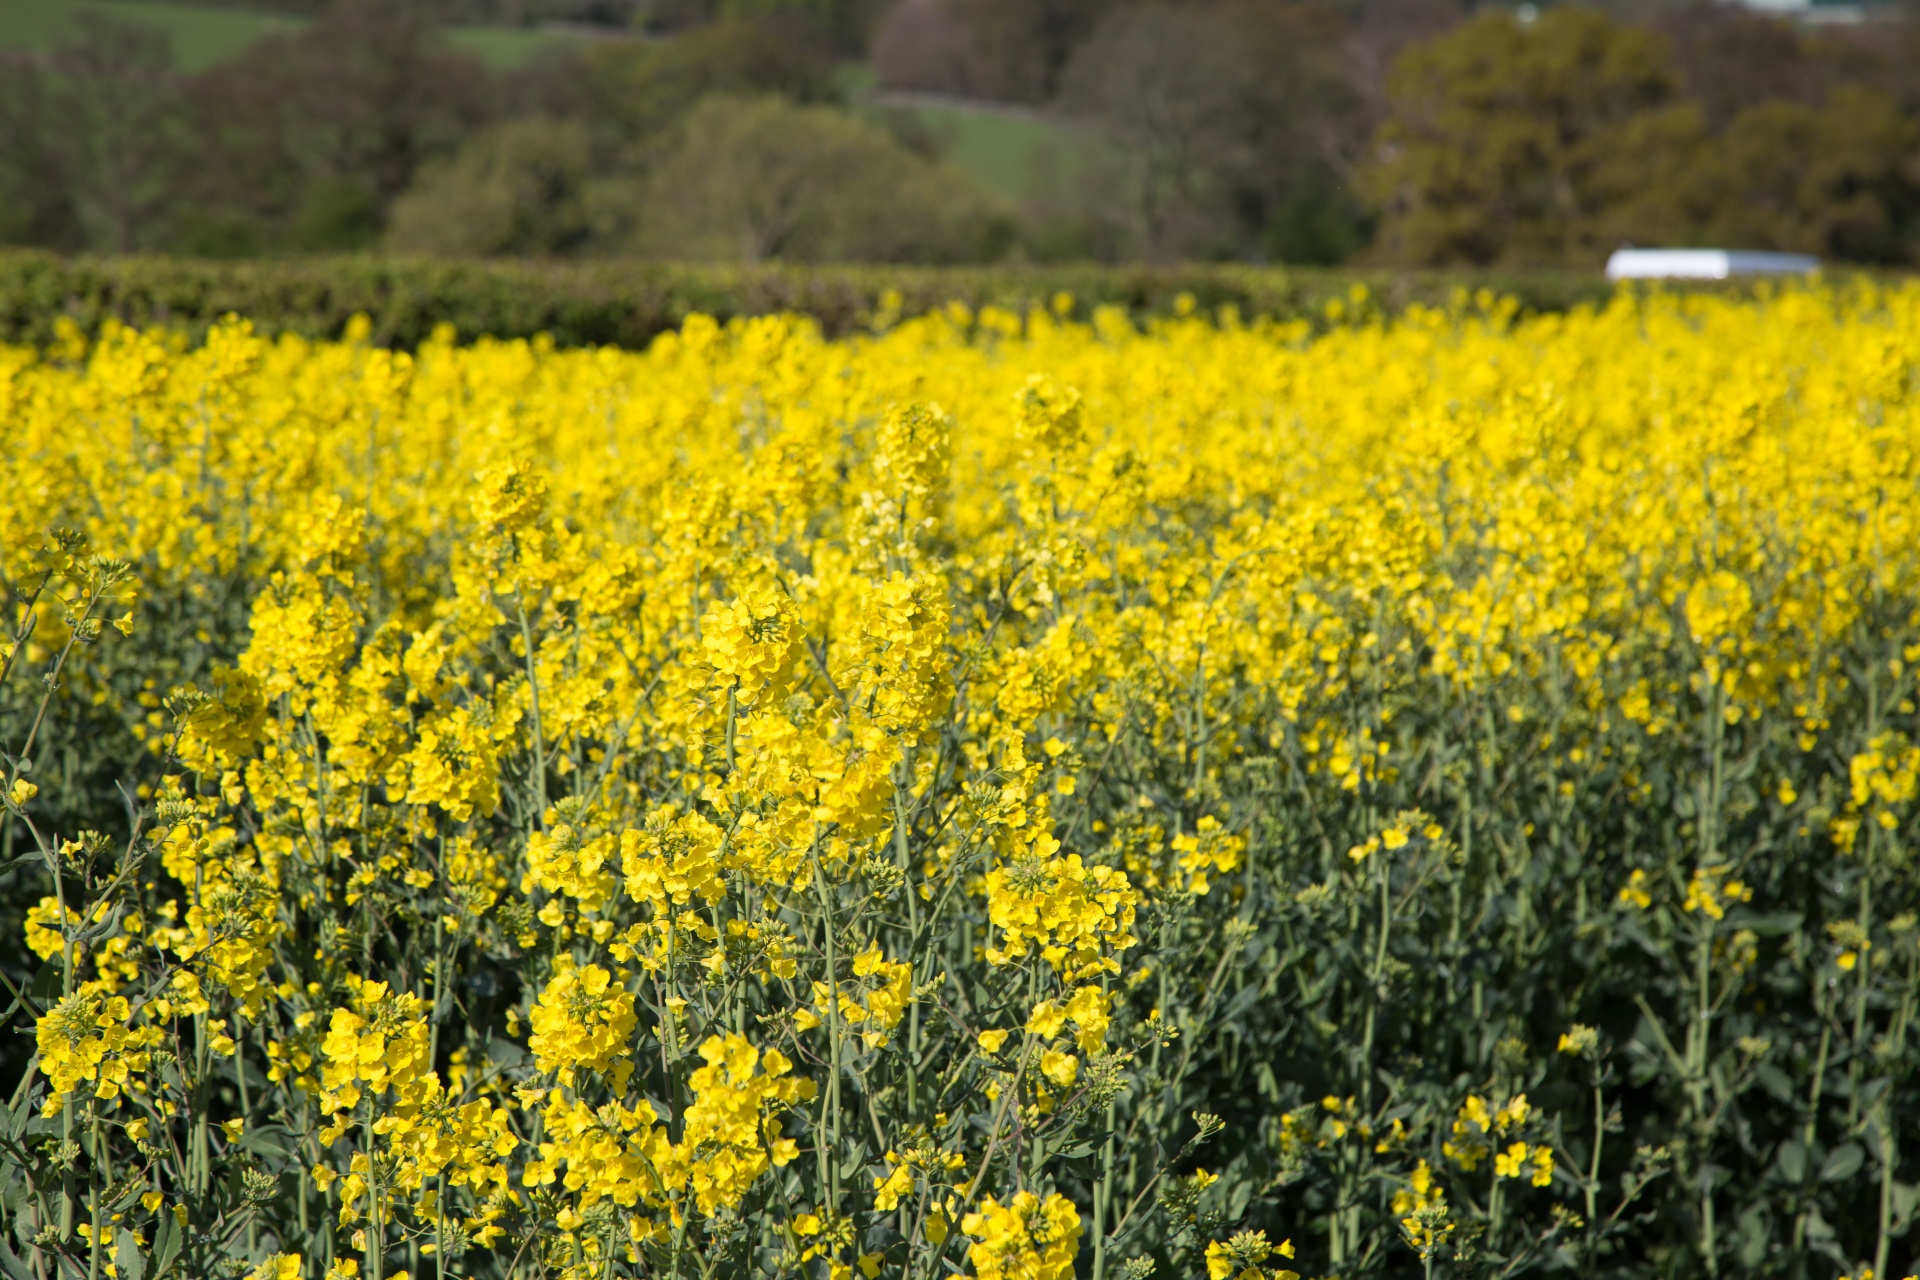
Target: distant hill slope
1015,152
206,34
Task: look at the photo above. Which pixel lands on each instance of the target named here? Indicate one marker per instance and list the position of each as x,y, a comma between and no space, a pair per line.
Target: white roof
1705,264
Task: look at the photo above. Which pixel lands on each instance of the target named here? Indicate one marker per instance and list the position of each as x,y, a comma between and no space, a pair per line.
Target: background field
203,35
934,132
1015,152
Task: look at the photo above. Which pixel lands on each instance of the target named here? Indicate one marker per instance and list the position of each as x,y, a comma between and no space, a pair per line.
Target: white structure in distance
1818,12
1705,264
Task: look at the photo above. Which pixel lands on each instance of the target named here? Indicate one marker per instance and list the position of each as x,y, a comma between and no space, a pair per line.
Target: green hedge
626,303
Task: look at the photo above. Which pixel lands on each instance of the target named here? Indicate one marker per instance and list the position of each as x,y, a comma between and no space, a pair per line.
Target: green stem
98,1156
1810,1130
903,855
1593,1168
830,1138
535,738
376,1228
246,1115
1883,1240
1103,1200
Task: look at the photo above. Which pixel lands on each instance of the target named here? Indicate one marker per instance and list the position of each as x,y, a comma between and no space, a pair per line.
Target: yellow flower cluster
873,1004
583,1020
1073,913
731,1135
1244,1257
86,1040
380,1042
1882,782
1025,1239
1421,1207
1476,1126
1711,891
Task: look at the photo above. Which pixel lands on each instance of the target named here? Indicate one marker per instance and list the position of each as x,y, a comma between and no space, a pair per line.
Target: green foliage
304,144
631,91
1024,156
1559,140
300,146
515,188
200,34
209,33
1836,179
757,179
627,303
1518,143
91,133
35,206
1224,121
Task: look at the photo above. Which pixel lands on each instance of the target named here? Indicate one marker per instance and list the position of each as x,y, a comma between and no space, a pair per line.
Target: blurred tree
518,187
1318,221
753,179
927,46
1380,31
305,141
115,113
1641,188
1557,142
1730,58
632,91
1231,124
1168,85
1031,41
1524,143
1006,50
1841,179
843,25
36,200
1897,45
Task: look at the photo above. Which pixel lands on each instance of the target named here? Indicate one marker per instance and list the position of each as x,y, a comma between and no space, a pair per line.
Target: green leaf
21,1114
42,992
1792,1161
1771,924
269,1140
45,988
1753,1236
128,1262
1238,1198
506,1054
1843,1162
10,1264
1906,1197
167,1239
1775,1081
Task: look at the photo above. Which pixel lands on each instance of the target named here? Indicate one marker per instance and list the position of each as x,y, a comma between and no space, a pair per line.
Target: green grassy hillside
205,34
1021,155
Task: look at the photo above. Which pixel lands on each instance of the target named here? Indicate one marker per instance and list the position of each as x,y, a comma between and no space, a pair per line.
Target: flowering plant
765,805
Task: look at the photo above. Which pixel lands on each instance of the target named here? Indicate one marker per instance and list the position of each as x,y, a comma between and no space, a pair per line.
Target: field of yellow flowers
997,795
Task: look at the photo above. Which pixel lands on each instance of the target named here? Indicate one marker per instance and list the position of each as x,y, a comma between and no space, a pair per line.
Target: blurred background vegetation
1321,132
